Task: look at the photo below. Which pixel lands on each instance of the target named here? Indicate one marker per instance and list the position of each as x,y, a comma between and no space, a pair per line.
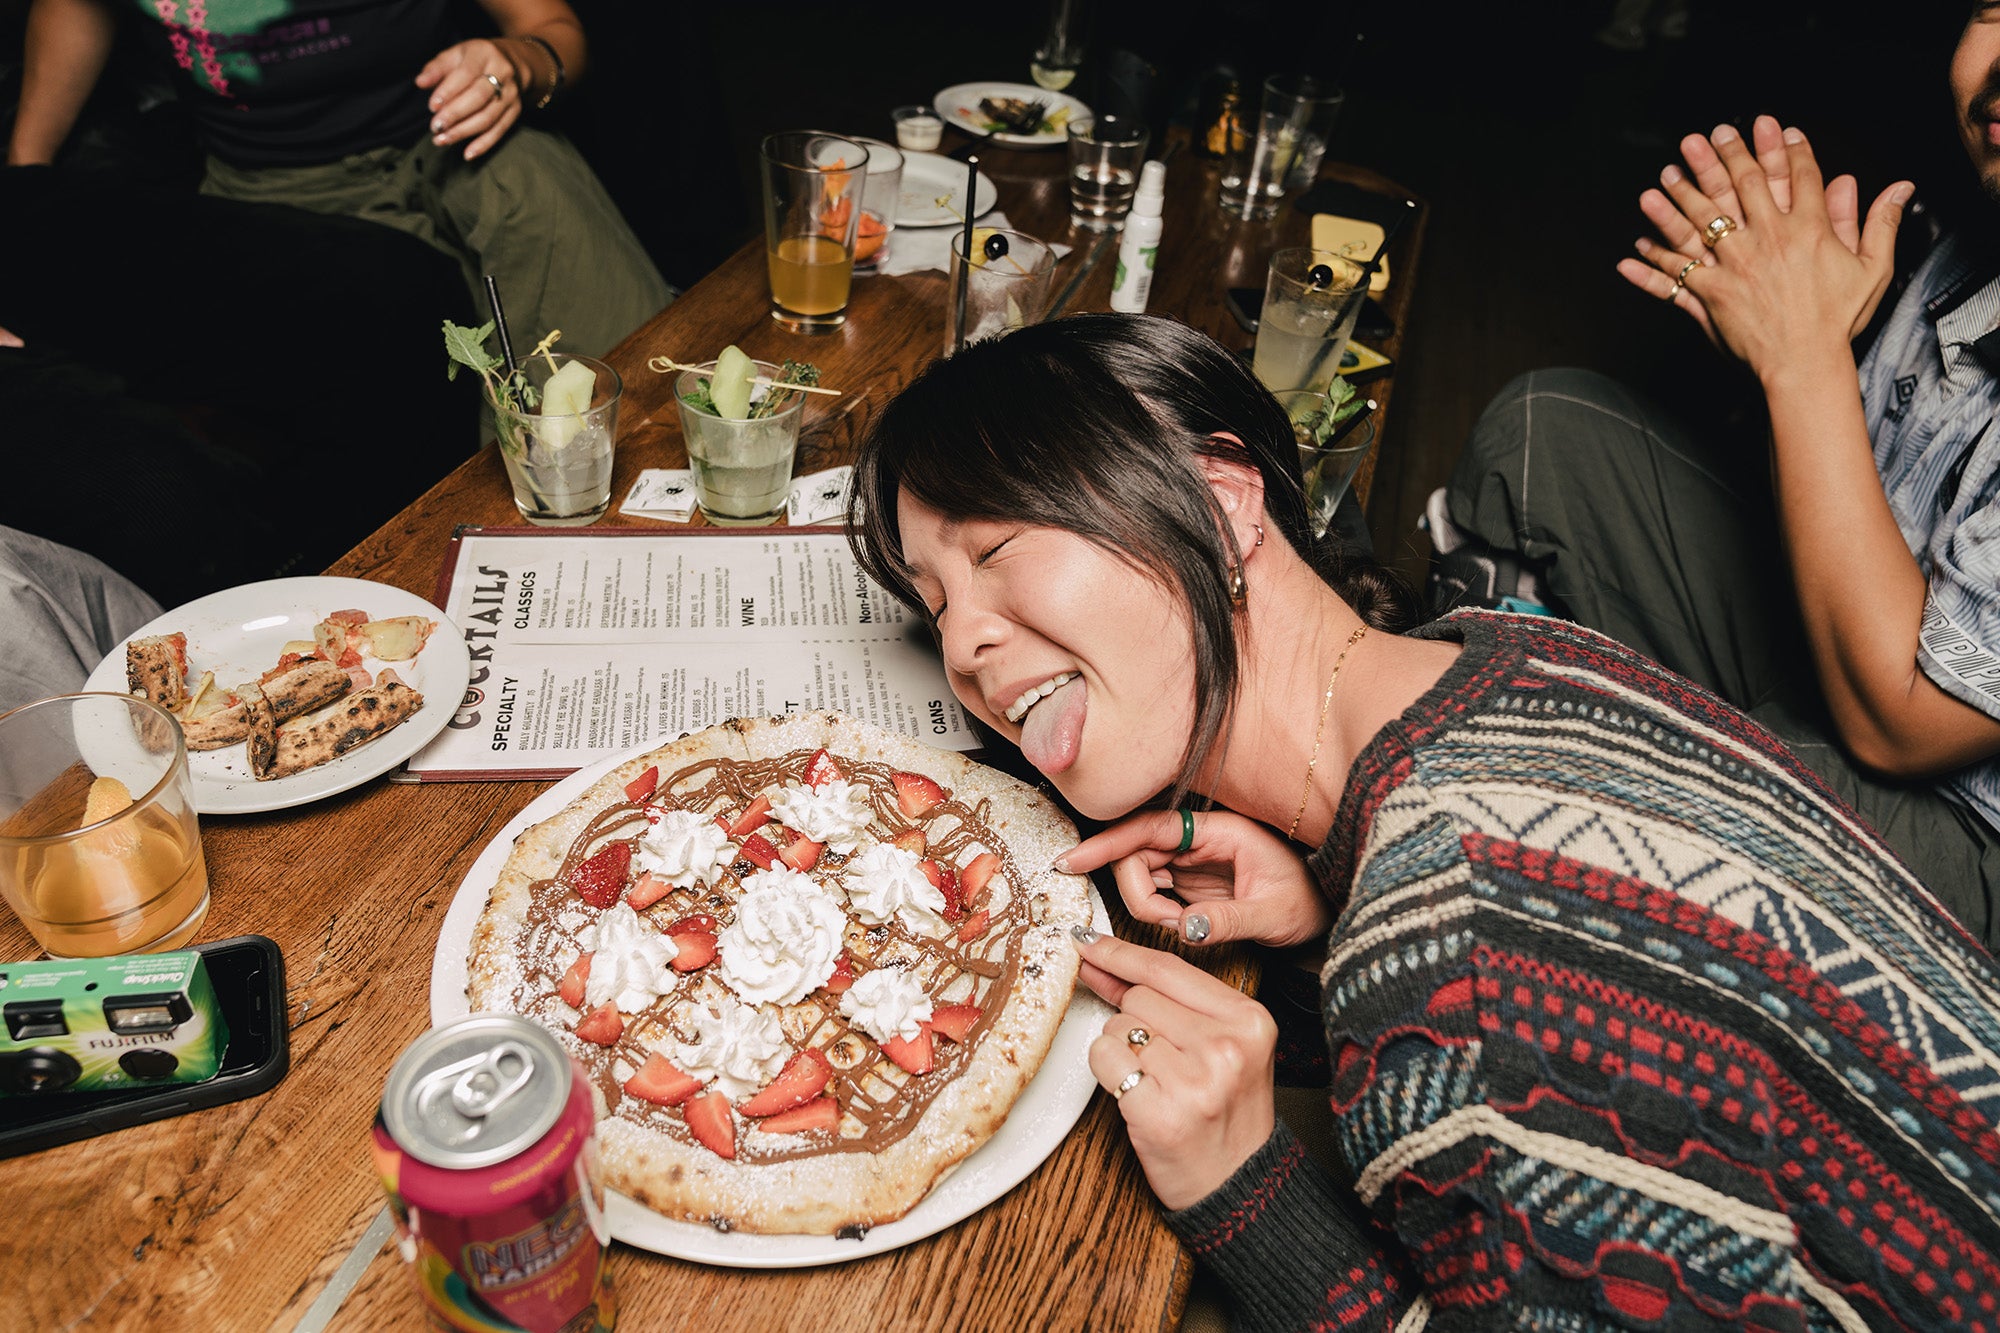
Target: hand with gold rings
473,95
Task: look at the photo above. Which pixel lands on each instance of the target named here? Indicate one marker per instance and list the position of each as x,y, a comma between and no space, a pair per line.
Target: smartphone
248,974
1247,303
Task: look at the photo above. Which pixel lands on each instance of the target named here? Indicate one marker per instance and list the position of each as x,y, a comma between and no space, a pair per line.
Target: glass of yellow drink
813,185
99,852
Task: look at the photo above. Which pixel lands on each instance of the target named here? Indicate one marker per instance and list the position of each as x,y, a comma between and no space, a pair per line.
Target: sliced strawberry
662,1082
697,950
975,926
821,769
649,889
916,793
711,1121
913,1055
692,921
955,1020
973,879
643,786
803,1078
945,880
842,978
819,1113
911,840
600,880
752,819
570,988
758,849
801,853
603,1025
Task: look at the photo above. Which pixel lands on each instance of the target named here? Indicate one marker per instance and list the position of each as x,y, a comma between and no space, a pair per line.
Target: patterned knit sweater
1633,1025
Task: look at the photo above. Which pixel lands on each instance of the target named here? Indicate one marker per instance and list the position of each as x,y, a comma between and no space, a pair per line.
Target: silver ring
1126,1084
496,86
1138,1037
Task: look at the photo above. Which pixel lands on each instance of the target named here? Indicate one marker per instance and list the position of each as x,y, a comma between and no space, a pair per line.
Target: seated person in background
1632,1022
369,108
1882,481
64,611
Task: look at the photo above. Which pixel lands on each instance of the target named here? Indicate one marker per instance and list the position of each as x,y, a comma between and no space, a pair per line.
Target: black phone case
249,977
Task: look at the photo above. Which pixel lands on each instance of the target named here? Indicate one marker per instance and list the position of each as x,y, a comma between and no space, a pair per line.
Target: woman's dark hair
1097,425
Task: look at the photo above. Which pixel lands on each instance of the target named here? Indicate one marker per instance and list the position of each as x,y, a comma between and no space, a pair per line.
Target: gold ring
1138,1037
1717,229
496,86
1126,1084
1681,279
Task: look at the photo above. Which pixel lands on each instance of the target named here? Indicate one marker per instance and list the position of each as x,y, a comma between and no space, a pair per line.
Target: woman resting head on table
1631,1022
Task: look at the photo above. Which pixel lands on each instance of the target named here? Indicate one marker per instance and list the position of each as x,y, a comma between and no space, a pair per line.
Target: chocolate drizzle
880,1102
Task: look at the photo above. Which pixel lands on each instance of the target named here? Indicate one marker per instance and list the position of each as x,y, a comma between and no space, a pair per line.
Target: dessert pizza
808,964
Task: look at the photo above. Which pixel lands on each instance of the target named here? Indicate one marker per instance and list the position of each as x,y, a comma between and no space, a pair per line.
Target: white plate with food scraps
959,105
1042,1118
933,192
239,634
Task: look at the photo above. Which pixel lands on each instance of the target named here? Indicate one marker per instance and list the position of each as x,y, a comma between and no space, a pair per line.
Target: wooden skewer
663,364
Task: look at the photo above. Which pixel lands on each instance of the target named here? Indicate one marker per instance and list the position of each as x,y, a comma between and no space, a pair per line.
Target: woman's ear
1239,493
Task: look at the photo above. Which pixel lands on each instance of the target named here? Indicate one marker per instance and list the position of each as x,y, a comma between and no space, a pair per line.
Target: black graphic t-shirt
298,82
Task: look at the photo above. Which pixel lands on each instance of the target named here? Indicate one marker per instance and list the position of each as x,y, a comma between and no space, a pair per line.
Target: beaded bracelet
555,86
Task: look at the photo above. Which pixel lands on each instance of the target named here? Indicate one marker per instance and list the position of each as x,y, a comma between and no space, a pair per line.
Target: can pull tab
479,1084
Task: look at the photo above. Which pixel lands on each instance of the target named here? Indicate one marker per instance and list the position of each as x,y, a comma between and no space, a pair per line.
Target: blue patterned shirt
1930,405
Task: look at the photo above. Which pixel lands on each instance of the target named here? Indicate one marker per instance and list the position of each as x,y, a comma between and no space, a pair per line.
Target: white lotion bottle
1139,249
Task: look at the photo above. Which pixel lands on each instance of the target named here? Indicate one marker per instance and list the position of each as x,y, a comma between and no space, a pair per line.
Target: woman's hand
1246,882
1202,1104
476,95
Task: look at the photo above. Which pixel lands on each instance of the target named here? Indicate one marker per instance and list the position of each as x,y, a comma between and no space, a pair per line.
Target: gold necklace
1319,733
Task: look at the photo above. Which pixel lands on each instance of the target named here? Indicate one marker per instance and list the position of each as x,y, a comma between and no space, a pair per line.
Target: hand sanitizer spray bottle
1140,247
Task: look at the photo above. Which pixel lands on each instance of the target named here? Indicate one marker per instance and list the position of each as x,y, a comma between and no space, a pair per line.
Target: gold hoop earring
1260,532
1237,588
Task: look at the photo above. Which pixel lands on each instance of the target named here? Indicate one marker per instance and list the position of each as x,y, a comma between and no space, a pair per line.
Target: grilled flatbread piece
307,686
261,723
156,667
354,721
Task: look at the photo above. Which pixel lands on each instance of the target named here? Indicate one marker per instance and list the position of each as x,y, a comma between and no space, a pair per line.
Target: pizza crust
647,1154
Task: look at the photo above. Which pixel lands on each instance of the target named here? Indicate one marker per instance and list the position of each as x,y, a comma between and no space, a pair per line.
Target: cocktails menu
588,644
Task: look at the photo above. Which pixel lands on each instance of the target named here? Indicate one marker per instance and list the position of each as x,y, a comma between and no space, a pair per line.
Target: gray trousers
1654,537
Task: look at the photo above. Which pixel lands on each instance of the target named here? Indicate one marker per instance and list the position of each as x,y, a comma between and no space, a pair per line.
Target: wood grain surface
237,1217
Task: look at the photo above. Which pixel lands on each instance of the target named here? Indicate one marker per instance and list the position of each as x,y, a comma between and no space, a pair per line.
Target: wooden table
265,1213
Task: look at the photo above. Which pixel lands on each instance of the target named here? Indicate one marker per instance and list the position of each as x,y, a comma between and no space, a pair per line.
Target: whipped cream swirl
784,941
633,961
887,1002
835,813
885,881
738,1048
683,848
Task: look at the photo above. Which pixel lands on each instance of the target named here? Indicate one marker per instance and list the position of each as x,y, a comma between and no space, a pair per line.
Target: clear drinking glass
1292,131
879,199
1327,469
742,469
99,851
813,184
918,128
560,461
1105,154
1311,300
1008,286
1061,50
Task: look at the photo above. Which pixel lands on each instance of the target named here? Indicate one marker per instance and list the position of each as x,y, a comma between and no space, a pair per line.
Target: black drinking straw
500,325
1346,428
965,256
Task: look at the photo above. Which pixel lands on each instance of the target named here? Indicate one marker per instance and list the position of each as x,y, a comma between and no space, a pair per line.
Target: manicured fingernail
1670,176
1901,194
437,126
1194,928
1084,934
1724,134
1794,136
1061,864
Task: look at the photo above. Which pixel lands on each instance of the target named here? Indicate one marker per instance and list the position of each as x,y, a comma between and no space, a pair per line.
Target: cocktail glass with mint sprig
1335,431
740,421
556,419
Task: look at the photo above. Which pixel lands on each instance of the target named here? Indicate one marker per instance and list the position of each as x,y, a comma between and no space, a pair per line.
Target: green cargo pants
1644,533
530,212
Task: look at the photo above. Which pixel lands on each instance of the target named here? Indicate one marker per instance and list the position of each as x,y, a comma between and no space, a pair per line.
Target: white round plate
959,105
929,177
238,634
1048,1108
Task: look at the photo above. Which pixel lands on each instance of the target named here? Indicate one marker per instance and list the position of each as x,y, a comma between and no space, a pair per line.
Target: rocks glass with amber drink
99,853
813,186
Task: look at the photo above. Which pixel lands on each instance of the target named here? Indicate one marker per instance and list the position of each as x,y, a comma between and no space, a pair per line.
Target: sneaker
1466,572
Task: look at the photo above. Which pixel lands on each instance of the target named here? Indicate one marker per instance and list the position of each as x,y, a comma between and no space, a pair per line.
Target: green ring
1187,831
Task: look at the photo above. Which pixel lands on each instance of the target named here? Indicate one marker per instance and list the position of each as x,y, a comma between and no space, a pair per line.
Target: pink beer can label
485,1145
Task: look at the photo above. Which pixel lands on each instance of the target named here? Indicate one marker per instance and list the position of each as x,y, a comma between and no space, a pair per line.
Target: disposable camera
108,1024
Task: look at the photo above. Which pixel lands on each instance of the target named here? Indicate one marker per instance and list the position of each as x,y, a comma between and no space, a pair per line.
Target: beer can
485,1144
